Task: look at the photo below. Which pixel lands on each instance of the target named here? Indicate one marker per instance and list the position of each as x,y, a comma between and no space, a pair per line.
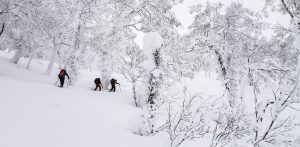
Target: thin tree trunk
52,61
287,9
77,37
2,29
17,56
154,82
134,94
30,59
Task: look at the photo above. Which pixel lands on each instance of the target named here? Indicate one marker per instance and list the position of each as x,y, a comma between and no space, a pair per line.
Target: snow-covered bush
230,126
186,121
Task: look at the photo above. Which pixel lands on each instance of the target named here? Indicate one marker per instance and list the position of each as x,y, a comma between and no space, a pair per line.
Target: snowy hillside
35,113
149,73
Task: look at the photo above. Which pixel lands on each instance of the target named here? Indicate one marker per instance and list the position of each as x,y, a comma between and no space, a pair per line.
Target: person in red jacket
61,77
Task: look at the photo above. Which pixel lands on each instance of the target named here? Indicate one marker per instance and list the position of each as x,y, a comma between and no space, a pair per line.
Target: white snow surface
36,113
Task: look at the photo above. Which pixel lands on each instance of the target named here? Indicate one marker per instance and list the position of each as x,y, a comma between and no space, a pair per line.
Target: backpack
62,72
113,81
97,81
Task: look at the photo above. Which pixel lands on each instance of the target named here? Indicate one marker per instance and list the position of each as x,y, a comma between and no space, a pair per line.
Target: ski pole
68,83
56,82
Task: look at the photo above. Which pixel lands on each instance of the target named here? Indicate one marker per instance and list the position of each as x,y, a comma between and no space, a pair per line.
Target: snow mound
151,41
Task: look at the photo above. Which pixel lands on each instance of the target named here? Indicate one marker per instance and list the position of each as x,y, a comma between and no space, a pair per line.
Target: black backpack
97,81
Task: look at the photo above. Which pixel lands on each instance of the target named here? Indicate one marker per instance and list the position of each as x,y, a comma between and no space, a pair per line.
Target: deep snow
36,113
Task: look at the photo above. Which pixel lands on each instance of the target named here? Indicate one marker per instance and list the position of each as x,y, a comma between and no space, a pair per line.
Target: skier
61,76
113,83
97,81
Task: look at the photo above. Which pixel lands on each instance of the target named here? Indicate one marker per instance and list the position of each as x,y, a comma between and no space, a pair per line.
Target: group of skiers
63,73
113,83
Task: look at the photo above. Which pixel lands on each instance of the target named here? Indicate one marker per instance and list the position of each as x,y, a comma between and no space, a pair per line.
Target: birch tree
132,68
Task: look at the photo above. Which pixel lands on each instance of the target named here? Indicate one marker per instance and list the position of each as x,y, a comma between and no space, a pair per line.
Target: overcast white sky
183,15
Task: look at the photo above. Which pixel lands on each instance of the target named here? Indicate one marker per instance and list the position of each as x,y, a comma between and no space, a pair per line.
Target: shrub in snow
149,119
186,121
192,116
230,126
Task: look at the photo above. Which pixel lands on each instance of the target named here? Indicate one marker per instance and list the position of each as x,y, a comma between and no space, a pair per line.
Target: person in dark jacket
97,81
61,77
113,83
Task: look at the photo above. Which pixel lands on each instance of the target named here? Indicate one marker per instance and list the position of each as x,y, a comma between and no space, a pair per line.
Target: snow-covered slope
35,113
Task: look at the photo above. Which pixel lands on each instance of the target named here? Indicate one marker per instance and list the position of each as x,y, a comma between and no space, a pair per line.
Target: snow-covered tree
242,54
19,26
220,37
290,7
152,44
278,76
132,68
56,28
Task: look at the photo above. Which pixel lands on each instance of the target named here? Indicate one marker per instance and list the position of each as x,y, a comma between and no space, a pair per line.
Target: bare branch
2,29
287,9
